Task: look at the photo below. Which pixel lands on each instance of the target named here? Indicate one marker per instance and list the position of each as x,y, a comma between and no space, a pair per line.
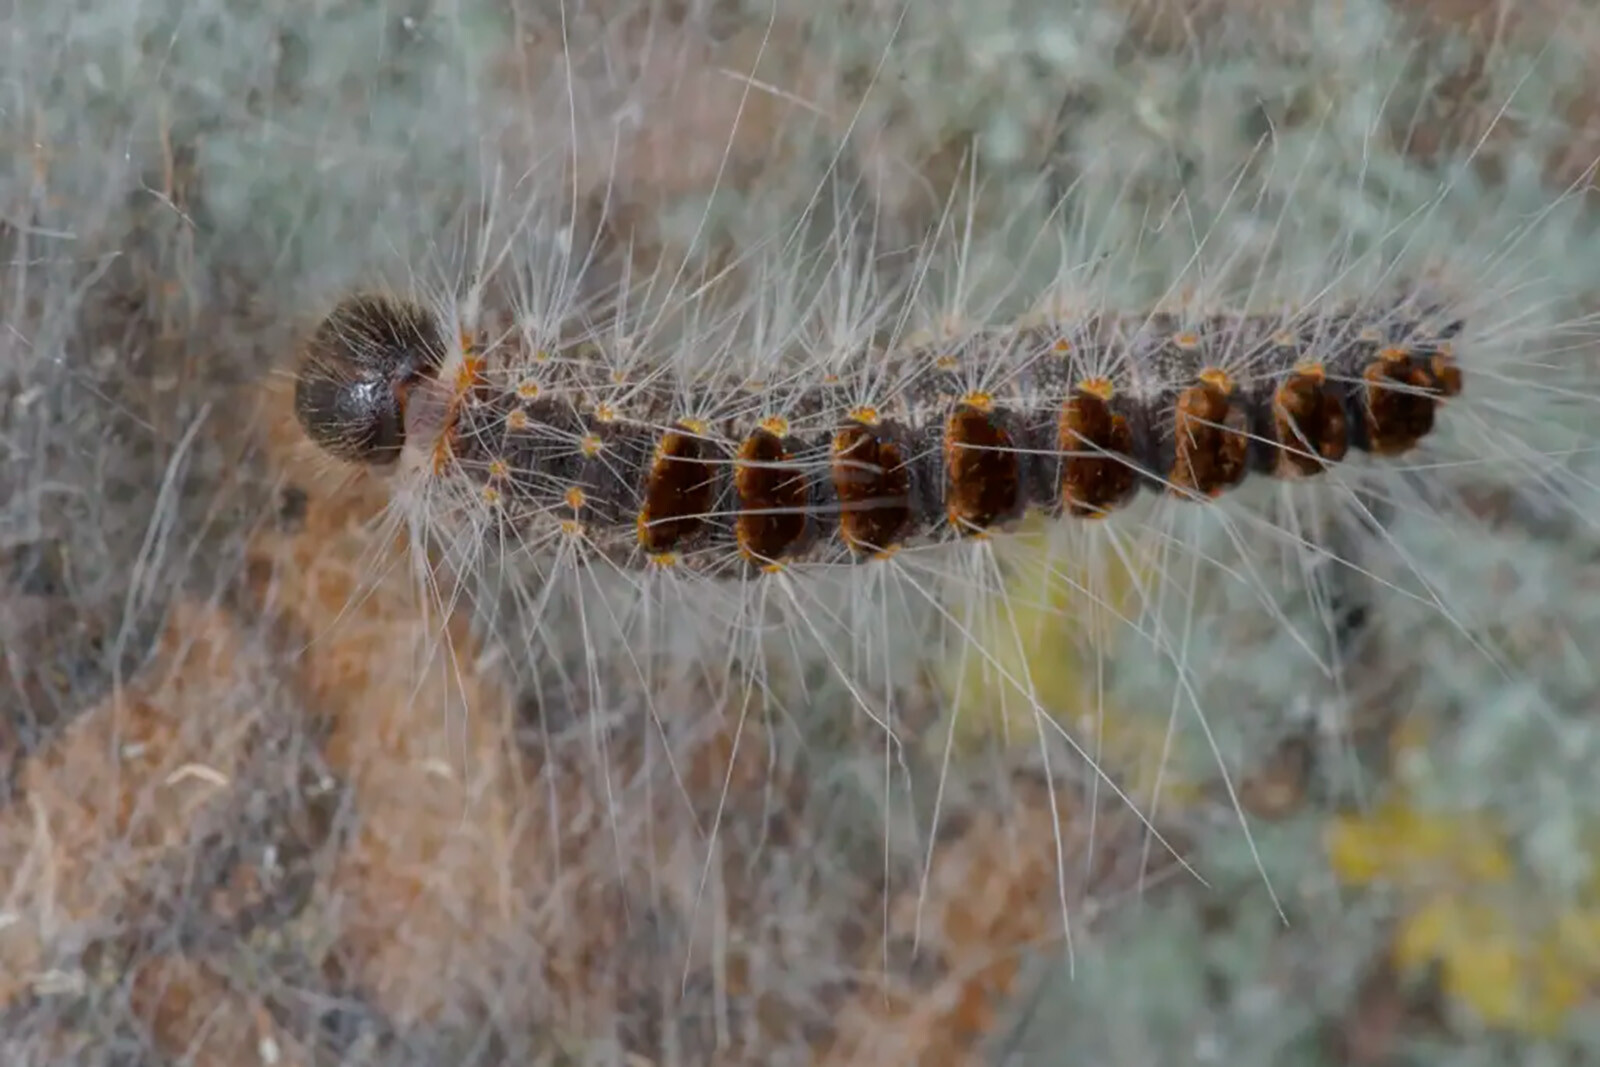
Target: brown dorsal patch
678,492
1097,469
772,493
1309,423
872,480
983,468
1210,433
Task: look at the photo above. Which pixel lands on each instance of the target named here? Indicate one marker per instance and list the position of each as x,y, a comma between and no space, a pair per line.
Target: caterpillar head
357,372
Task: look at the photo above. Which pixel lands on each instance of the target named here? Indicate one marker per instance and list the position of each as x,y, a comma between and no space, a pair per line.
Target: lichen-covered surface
263,803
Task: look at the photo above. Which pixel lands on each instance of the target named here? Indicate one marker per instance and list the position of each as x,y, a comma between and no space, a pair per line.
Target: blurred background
232,832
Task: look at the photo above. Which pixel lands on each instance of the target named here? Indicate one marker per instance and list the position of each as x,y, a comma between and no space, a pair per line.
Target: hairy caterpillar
774,668
975,432
1120,529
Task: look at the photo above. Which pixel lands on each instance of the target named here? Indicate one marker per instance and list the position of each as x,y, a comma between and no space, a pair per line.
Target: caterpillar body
920,510
922,444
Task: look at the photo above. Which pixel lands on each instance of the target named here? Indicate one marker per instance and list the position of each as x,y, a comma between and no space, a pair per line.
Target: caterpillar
800,647
848,510
1066,417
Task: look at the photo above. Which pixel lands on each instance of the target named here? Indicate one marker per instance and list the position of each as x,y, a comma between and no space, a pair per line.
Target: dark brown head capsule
362,360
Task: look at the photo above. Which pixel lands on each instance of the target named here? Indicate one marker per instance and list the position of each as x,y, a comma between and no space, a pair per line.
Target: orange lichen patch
420,886
1465,110
700,121
123,786
991,897
194,1016
472,863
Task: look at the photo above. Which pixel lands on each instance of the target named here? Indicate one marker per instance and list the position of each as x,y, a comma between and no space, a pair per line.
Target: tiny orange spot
981,401
1099,388
469,375
442,454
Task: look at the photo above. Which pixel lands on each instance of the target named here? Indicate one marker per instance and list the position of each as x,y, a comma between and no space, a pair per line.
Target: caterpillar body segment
956,441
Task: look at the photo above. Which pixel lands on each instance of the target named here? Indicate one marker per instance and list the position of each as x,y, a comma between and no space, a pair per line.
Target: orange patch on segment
1446,372
772,498
979,401
1097,473
677,493
983,470
1209,433
1401,399
1308,423
873,484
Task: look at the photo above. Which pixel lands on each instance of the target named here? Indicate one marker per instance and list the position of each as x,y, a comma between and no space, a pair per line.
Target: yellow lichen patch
1523,976
1505,950
1040,650
1398,843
